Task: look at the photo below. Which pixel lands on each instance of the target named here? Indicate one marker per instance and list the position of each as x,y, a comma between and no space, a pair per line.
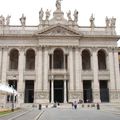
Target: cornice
102,36
16,36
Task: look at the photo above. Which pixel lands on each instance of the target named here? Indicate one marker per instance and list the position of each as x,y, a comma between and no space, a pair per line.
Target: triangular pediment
58,30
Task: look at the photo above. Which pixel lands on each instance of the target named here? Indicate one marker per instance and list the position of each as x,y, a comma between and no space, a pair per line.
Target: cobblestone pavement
79,114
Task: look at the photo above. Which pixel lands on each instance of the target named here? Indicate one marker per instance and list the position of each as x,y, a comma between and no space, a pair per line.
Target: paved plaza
79,114
61,113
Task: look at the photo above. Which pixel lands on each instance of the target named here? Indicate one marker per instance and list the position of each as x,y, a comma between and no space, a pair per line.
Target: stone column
39,70
71,70
71,75
65,92
117,72
52,61
38,82
45,87
96,90
4,64
0,64
21,77
81,82
78,81
52,91
45,79
111,68
77,69
112,75
4,69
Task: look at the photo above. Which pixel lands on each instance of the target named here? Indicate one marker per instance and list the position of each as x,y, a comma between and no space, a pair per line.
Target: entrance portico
58,91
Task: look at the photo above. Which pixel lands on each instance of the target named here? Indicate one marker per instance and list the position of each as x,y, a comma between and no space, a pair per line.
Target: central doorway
87,91
58,91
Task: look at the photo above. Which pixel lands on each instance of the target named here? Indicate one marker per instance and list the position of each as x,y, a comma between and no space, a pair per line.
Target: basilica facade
60,61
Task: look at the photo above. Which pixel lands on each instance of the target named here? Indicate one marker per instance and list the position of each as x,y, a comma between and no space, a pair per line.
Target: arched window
13,59
30,59
58,59
86,63
101,60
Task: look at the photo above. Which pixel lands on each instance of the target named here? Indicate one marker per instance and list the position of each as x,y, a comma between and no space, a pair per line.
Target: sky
31,8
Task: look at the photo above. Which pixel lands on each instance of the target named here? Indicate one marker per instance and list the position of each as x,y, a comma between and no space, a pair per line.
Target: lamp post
13,101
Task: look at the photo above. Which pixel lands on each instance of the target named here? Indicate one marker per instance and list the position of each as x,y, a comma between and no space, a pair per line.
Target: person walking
75,105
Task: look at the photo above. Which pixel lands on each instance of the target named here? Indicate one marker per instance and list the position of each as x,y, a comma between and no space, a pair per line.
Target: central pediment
58,30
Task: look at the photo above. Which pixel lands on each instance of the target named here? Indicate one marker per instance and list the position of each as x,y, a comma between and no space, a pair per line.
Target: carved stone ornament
59,31
41,95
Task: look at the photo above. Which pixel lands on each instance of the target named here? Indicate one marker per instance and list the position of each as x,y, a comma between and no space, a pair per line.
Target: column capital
65,77
110,49
39,48
71,47
1,47
52,77
22,48
77,47
116,49
5,48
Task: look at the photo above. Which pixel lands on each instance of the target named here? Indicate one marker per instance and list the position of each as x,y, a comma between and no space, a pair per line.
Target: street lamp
13,100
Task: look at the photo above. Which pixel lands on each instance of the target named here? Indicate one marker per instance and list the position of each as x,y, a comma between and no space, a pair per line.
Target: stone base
20,97
2,100
75,96
96,96
58,18
41,97
114,96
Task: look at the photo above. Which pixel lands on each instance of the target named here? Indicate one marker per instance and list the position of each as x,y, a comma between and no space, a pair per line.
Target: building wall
91,82
75,75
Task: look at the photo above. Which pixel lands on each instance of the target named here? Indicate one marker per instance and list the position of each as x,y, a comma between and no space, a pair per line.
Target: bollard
40,106
82,105
98,106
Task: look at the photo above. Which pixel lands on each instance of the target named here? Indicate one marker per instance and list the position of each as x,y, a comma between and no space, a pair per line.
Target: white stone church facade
60,61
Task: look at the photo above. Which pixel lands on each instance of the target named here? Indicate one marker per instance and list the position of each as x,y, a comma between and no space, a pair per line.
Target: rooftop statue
2,20
107,21
69,15
113,21
23,20
75,16
41,14
8,20
58,4
92,21
47,14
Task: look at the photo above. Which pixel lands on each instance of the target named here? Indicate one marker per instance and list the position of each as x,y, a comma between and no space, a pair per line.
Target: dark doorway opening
29,91
87,91
58,91
104,91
